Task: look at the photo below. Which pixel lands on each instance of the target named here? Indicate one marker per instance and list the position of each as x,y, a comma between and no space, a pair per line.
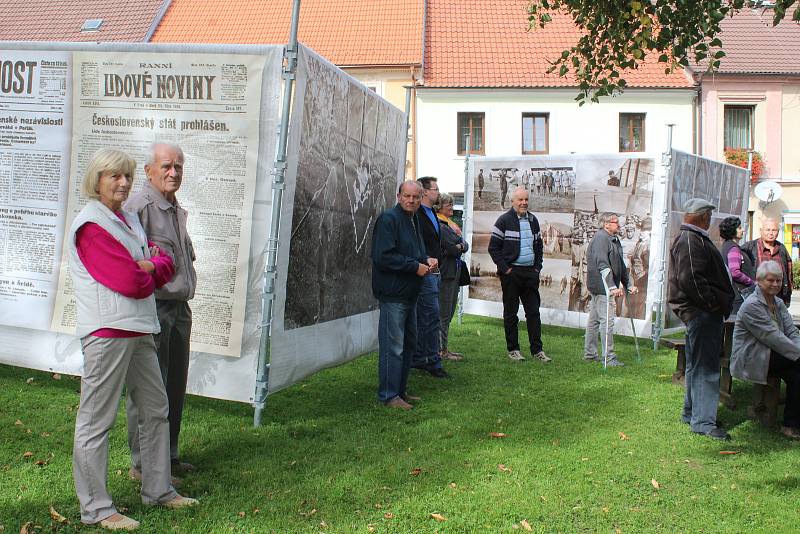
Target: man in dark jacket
607,280
701,294
516,248
769,248
399,263
427,357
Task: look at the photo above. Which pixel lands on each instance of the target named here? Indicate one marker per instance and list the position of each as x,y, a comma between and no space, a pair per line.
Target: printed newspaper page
34,149
209,105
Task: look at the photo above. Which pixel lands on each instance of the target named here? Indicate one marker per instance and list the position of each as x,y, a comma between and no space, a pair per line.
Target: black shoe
716,433
438,373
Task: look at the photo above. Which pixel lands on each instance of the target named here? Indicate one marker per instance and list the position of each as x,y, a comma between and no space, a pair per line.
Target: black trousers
789,371
521,285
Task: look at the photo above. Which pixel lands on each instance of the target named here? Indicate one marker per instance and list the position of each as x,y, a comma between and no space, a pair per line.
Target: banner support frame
660,303
278,186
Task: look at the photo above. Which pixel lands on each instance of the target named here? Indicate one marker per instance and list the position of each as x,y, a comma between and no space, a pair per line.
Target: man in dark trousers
701,294
427,356
399,264
516,248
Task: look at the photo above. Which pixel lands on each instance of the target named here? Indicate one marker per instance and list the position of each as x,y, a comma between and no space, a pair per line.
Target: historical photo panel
566,195
349,163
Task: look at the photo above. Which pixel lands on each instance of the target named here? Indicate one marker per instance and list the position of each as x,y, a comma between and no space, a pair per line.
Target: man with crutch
606,280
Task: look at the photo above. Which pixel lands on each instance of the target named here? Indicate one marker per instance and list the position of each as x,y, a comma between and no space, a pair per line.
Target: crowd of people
131,262
706,286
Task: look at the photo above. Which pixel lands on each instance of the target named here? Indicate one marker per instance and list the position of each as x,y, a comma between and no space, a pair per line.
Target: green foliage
581,449
621,34
796,274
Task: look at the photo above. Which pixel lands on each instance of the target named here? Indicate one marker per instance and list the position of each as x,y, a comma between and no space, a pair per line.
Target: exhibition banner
346,158
566,194
61,103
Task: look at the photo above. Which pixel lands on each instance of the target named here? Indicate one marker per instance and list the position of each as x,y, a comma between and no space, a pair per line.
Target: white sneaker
541,356
516,356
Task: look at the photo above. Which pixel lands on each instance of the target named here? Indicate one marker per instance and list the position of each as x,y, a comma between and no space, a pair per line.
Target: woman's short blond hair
106,160
444,199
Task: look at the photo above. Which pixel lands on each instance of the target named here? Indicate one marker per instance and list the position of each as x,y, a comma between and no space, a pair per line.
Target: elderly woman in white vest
114,273
766,341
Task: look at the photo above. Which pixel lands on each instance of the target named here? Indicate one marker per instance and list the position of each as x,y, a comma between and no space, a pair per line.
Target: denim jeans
428,332
397,340
703,350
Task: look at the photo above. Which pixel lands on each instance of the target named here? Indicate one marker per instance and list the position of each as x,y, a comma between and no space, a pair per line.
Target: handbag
463,273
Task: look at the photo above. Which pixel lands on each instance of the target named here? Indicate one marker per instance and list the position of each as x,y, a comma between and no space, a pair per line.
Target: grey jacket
451,252
605,252
165,225
755,335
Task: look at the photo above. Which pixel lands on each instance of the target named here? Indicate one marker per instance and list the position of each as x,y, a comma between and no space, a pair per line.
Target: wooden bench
679,345
765,403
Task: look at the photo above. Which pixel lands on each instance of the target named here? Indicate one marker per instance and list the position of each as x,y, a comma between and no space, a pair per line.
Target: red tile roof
485,43
754,46
61,20
347,32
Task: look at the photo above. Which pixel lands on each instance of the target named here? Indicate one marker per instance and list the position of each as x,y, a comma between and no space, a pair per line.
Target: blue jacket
397,251
504,243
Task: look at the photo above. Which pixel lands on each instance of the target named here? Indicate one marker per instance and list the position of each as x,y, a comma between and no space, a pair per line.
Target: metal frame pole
659,304
278,185
461,291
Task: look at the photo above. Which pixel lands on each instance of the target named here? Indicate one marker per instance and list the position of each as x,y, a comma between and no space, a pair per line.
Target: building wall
776,119
592,128
391,84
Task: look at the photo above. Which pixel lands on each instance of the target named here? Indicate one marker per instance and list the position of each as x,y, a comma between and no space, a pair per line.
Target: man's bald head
519,200
409,195
769,230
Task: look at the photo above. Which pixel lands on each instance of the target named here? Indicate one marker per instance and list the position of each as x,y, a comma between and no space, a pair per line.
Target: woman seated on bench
766,342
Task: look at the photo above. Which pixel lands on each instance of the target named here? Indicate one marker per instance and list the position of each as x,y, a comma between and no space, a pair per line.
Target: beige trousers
108,365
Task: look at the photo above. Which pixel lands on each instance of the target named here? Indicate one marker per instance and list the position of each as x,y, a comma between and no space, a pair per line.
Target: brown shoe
179,501
406,397
119,522
452,356
397,402
791,433
135,474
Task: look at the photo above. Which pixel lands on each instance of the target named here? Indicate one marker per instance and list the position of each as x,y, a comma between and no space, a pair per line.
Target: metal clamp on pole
278,185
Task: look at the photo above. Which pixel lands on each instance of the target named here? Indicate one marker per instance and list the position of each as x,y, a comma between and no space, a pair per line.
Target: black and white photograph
550,188
349,164
588,186
682,179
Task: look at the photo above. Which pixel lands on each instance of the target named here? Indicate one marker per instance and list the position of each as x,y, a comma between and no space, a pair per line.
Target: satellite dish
768,191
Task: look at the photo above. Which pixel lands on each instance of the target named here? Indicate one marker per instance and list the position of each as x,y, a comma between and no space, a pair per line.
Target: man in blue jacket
516,248
399,263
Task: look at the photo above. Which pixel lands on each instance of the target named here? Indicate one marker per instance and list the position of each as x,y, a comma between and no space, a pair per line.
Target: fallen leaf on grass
655,483
27,454
29,381
503,468
415,472
242,514
497,435
323,524
729,452
371,528
388,515
439,517
56,376
617,530
56,516
18,422
24,529
527,526
452,485
45,434
623,436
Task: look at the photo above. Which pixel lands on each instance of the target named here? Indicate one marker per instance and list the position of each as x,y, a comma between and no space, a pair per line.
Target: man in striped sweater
516,248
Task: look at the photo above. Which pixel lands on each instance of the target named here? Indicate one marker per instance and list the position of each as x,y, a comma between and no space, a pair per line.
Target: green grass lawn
584,451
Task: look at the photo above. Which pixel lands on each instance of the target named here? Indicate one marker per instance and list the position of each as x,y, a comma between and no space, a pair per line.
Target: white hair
769,267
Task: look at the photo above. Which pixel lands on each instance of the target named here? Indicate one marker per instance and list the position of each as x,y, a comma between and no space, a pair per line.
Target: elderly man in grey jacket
164,222
606,279
766,341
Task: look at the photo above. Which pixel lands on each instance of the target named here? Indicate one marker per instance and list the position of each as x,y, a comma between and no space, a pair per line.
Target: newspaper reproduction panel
59,103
